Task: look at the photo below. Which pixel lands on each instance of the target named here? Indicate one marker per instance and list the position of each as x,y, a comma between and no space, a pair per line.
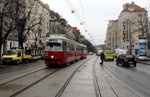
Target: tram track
111,85
97,84
16,78
34,78
95,80
32,84
106,69
105,76
99,89
69,79
25,86
116,87
60,90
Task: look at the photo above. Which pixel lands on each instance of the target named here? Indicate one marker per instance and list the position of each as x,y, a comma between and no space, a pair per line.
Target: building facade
37,21
40,20
134,21
131,24
111,35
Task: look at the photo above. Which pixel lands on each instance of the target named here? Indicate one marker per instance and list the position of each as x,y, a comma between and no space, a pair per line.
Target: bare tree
36,27
26,20
7,21
17,17
141,23
90,47
138,22
36,37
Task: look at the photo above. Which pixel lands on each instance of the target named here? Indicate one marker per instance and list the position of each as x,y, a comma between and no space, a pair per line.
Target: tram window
64,46
85,49
53,46
82,49
69,46
78,48
72,47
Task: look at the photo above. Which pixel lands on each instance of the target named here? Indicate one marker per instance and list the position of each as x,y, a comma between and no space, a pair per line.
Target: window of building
1,7
140,22
140,15
131,8
148,44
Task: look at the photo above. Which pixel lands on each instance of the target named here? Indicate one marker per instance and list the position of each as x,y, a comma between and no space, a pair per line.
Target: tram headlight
52,57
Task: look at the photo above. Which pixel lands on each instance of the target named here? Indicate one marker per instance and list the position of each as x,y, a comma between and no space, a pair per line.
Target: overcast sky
94,14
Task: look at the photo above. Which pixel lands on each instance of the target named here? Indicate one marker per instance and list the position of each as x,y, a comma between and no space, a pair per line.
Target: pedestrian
102,56
136,52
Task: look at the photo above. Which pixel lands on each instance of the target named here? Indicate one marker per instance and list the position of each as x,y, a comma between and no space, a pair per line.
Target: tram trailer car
61,50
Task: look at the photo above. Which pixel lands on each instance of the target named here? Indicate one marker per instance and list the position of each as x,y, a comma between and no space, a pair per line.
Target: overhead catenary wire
73,10
84,23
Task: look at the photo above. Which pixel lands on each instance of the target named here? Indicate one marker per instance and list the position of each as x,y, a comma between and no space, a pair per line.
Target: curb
143,62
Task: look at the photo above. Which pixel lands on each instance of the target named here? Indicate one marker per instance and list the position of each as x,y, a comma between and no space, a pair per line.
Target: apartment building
108,35
131,25
8,17
111,35
134,21
39,21
148,39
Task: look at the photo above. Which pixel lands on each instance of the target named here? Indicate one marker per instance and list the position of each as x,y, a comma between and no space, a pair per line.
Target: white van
119,52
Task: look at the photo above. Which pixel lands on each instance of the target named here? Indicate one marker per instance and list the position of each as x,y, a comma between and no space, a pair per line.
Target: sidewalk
144,60
36,57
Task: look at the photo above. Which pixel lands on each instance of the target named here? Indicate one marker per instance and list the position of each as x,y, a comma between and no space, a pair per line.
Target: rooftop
132,7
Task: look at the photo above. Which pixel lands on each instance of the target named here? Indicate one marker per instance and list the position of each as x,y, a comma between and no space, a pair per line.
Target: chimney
125,5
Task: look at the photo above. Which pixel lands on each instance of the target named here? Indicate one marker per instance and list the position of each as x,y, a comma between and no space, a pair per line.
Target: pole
116,39
127,32
128,25
130,37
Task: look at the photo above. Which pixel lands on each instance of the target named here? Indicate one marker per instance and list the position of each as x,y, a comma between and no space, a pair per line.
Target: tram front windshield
53,46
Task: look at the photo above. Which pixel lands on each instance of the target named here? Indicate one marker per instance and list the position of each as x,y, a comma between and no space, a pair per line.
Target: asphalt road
9,70
44,83
137,78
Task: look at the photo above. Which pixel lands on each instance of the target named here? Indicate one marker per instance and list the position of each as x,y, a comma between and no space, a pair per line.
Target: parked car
109,55
15,56
126,60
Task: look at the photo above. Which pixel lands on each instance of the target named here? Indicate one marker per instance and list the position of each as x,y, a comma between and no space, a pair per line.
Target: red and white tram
60,50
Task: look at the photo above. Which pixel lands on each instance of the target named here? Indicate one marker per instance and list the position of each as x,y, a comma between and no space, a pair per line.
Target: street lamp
72,11
82,23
